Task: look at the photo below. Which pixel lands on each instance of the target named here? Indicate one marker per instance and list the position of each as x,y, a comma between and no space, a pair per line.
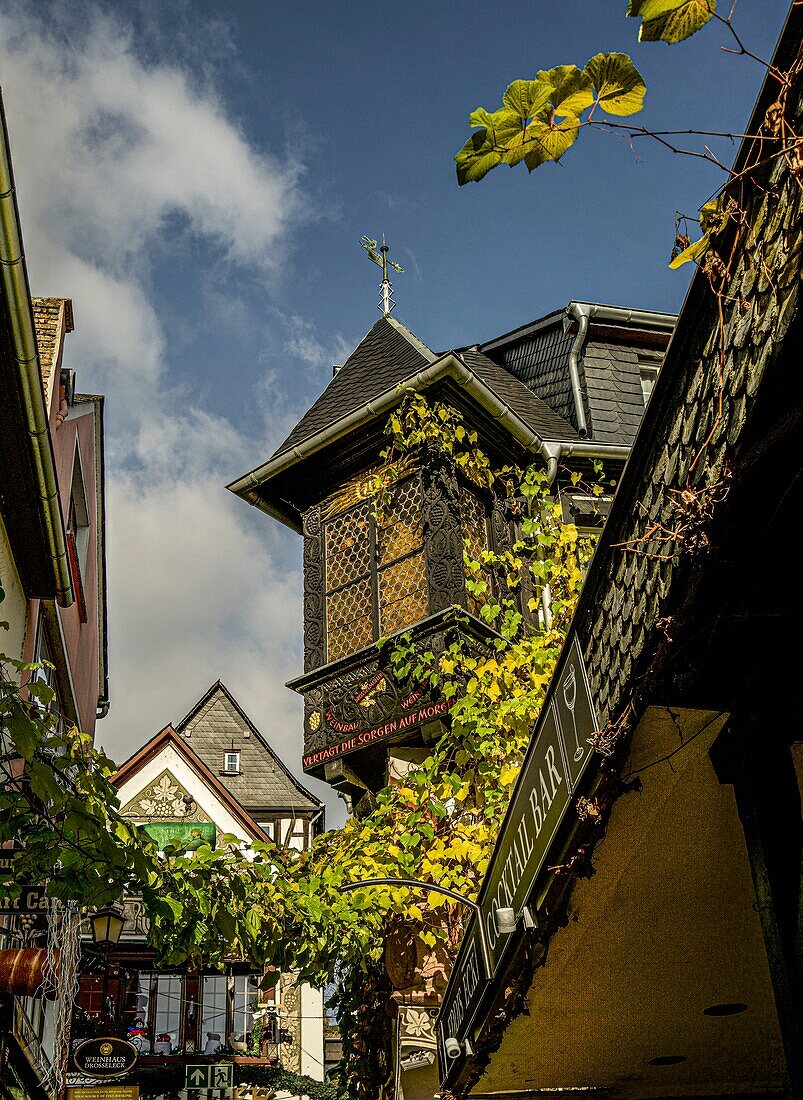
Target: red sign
378,733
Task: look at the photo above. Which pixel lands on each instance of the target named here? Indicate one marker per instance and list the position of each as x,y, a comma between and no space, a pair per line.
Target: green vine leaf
670,20
477,157
573,90
551,142
618,85
527,98
538,123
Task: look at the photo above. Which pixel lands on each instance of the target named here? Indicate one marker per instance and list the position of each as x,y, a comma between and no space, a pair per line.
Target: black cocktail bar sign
556,759
106,1057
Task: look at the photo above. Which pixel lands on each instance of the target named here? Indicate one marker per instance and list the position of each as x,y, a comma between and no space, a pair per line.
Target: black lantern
107,924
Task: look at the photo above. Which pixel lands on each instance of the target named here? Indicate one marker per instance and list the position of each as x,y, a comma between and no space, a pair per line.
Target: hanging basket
22,970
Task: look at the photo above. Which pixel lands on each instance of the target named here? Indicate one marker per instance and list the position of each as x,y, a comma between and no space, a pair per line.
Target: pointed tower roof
389,359
218,723
386,354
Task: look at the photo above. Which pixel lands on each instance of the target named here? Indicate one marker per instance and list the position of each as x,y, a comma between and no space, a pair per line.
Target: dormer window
231,762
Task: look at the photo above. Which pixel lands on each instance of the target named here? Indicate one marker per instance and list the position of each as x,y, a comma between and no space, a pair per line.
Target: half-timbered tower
570,387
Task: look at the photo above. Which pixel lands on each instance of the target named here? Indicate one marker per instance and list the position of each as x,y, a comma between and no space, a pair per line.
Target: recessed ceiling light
667,1060
728,1009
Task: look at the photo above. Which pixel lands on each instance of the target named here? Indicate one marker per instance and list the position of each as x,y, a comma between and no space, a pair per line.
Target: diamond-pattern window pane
403,597
348,547
475,539
349,639
349,621
399,530
475,530
349,603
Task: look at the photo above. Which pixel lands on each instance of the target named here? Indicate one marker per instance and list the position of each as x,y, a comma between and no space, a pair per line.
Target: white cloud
304,344
109,148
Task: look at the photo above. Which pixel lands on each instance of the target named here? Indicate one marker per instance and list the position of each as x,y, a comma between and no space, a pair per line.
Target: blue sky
197,175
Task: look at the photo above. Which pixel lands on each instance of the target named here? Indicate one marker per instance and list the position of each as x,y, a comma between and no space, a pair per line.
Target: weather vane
380,258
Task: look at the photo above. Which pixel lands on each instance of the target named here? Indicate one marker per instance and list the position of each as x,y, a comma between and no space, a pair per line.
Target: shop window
245,1003
168,996
229,1013
376,581
214,1013
152,1010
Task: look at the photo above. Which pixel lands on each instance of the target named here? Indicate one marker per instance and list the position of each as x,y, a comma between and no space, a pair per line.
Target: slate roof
217,723
169,738
385,355
390,354
538,355
545,421
615,400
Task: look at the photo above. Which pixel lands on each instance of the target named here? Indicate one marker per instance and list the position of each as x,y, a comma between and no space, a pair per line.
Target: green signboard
218,1075
556,759
181,834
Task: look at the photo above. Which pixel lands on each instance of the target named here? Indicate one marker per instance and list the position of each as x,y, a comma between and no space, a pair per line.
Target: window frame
374,568
43,651
226,770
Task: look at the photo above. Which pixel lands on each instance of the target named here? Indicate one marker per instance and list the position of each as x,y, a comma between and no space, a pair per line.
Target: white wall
312,1032
207,803
14,607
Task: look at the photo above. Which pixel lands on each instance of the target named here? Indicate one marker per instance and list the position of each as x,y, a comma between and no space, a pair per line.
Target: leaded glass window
475,539
376,580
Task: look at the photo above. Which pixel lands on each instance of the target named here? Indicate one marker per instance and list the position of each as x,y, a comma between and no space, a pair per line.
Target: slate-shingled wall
541,361
616,620
614,397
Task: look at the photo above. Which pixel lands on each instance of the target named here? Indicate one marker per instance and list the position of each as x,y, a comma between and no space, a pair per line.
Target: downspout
26,355
582,313
552,453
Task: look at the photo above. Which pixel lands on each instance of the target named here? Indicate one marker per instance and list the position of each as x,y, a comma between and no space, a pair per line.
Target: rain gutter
584,312
449,366
14,275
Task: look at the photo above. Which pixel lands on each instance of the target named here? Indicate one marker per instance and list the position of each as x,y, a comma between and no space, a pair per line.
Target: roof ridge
195,713
411,337
378,353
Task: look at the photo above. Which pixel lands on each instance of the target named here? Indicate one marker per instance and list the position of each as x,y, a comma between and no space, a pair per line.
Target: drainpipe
14,275
583,312
580,312
553,452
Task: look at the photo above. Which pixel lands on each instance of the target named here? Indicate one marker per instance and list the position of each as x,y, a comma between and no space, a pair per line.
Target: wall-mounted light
454,1048
506,919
